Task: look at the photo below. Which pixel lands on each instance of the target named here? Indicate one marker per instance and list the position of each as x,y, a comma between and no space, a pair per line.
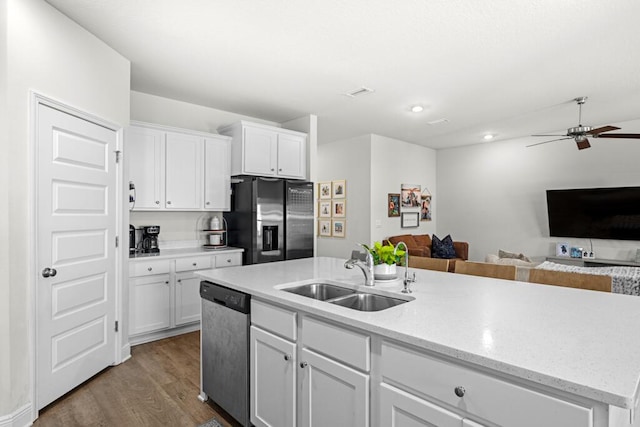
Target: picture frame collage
332,208
412,205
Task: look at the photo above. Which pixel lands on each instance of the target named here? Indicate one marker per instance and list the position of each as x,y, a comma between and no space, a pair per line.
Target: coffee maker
150,239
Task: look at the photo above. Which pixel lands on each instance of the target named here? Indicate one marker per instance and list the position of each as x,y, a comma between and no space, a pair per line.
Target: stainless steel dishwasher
224,349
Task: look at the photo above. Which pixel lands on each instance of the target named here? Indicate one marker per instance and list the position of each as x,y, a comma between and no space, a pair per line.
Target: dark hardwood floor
157,386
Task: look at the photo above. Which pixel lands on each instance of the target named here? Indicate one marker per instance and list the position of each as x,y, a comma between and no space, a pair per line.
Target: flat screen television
598,213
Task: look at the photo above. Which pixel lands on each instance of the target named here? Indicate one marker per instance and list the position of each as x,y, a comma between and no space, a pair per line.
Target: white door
291,155
75,252
187,297
183,173
259,151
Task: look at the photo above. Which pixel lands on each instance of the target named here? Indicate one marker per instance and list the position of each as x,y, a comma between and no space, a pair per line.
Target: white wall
178,226
350,160
393,163
493,195
50,54
374,166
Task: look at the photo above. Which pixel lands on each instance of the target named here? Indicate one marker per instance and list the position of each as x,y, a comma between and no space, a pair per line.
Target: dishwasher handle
226,297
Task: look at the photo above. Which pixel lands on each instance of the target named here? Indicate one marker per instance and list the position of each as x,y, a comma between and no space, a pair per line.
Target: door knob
49,272
303,364
287,357
459,391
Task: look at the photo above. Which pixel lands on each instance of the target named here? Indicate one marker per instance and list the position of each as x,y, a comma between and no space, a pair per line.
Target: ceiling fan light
488,137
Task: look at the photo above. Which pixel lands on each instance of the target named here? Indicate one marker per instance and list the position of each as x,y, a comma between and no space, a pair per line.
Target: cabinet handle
208,203
280,170
157,202
303,364
228,259
459,391
168,202
179,280
149,269
195,264
166,283
287,357
272,169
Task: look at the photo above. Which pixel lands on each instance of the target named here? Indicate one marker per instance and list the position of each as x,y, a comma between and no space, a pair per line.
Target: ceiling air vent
360,91
438,122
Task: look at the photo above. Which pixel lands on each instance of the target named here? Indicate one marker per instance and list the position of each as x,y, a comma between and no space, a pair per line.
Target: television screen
598,213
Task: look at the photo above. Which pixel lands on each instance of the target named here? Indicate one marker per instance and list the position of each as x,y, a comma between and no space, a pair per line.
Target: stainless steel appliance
132,239
224,349
271,219
150,239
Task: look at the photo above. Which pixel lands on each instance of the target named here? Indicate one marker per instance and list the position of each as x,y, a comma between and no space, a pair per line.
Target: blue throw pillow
443,248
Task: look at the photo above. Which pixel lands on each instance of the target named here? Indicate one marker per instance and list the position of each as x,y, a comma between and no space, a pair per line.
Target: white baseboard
125,353
20,418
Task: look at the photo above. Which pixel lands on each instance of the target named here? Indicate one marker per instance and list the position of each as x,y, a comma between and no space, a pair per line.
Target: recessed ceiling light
417,108
488,137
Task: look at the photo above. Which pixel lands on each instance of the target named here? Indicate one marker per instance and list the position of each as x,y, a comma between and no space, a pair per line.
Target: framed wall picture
425,207
393,200
338,227
324,209
324,190
339,208
410,194
410,219
339,189
563,249
324,228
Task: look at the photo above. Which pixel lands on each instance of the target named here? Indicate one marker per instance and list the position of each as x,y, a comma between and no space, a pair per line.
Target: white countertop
582,342
184,252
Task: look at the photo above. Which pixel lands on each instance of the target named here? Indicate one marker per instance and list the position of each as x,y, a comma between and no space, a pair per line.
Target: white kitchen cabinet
183,171
177,169
332,365
332,393
145,150
217,174
149,303
264,150
402,409
164,294
273,380
469,393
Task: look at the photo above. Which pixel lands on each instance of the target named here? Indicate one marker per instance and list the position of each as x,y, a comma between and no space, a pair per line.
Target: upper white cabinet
267,150
175,169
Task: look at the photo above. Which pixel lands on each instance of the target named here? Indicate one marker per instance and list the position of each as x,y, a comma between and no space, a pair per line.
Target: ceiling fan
580,133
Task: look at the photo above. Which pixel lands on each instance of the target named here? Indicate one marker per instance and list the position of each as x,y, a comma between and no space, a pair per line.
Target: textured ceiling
499,66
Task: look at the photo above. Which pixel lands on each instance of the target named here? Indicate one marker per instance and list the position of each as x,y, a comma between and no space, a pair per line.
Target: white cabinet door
183,171
217,174
145,151
401,409
273,380
187,299
332,394
260,149
149,303
291,156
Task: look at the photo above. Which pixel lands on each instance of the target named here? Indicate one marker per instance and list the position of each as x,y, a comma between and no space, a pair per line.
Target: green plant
383,254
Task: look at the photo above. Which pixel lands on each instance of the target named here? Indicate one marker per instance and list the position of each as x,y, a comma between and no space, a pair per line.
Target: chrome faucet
407,281
366,266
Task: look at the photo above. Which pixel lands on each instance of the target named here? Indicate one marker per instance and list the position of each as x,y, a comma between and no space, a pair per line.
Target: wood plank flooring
157,386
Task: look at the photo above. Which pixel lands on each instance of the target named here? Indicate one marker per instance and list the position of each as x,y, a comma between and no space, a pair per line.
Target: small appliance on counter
132,239
150,239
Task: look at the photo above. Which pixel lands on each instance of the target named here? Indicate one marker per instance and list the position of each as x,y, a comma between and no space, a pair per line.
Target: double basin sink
345,297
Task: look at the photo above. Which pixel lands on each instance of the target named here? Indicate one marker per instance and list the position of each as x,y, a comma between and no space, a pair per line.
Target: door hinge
117,241
116,326
118,153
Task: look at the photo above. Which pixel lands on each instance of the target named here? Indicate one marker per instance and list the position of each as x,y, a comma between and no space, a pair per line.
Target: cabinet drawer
228,260
485,396
342,344
149,268
193,263
278,320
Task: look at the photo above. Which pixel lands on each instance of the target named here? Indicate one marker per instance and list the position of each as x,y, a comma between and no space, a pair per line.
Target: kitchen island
515,353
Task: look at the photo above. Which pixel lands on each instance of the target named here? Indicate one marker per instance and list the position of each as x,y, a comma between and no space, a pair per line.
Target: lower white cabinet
164,294
150,302
273,380
333,394
290,370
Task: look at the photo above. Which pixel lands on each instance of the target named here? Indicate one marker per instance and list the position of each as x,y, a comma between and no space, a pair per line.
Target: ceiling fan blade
582,144
599,130
540,143
620,135
549,135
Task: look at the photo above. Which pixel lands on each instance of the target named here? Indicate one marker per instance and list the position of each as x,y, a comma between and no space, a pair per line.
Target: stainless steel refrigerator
271,219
